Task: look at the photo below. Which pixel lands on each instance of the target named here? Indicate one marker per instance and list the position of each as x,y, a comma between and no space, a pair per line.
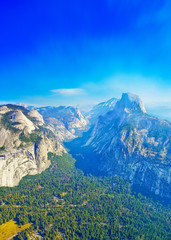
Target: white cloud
69,91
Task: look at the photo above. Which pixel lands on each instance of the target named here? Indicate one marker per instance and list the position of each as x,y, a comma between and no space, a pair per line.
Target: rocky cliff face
59,129
37,116
23,144
65,122
128,142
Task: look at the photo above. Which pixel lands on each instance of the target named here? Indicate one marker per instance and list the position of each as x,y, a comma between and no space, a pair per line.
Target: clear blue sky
83,52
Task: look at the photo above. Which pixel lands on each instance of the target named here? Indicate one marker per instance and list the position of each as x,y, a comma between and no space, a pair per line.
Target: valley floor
63,203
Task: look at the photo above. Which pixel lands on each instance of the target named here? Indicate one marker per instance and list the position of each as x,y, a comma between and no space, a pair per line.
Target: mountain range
128,142
118,137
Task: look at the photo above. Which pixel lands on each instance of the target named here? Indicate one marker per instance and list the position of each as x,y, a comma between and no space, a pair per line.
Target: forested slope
63,203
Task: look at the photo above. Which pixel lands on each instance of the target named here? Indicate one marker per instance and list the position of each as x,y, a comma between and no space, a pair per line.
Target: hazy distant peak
101,109
130,103
110,102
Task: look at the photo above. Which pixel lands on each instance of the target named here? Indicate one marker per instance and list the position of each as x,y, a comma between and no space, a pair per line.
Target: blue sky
83,52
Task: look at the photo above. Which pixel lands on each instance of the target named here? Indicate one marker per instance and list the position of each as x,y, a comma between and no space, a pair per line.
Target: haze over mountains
100,110
120,138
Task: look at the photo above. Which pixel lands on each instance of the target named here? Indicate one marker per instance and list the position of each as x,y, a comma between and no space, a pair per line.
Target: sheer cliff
24,144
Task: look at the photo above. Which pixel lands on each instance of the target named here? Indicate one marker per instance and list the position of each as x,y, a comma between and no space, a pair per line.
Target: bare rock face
16,164
65,122
59,129
4,109
40,150
22,122
3,136
54,146
23,146
76,120
38,117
